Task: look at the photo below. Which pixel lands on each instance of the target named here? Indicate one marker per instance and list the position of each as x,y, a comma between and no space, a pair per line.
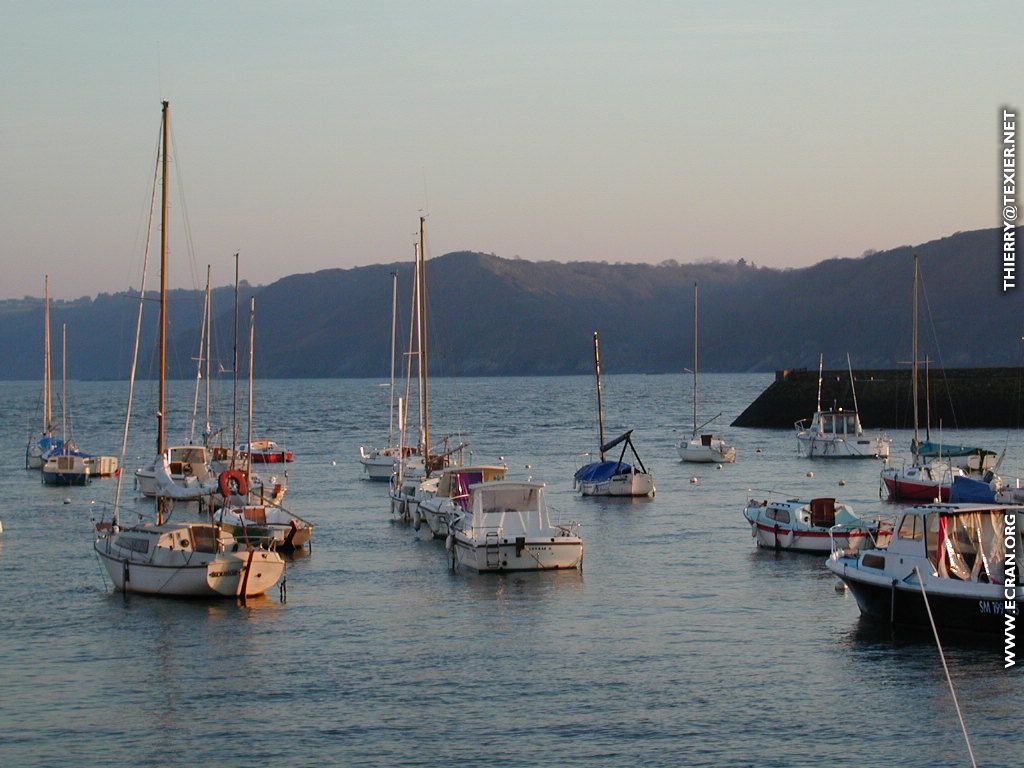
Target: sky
311,135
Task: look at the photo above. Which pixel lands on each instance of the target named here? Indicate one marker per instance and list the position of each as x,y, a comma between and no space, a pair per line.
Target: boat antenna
597,376
945,667
821,361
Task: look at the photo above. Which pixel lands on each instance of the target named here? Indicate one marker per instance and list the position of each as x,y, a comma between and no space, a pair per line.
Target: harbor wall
958,397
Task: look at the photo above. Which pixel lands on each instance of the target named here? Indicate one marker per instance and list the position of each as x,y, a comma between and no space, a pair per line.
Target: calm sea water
678,644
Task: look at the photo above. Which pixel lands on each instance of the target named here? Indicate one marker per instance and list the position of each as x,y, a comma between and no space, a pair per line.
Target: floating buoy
694,480
719,466
840,586
842,482
67,500
810,474
334,463
758,451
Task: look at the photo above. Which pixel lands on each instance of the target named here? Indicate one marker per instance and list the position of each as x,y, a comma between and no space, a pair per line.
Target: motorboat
606,477
187,559
962,557
835,433
703,448
815,525
66,468
447,496
506,527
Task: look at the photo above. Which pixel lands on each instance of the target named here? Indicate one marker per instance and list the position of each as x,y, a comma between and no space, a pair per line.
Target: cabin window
779,515
135,545
910,528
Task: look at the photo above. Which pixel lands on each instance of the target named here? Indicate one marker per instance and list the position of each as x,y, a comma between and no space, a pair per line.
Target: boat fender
449,542
417,520
232,482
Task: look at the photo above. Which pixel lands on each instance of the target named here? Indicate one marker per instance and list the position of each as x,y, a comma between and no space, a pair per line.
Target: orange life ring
232,482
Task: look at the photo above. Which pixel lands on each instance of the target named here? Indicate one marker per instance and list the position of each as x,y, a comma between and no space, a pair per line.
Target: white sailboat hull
221,575
378,467
717,452
630,484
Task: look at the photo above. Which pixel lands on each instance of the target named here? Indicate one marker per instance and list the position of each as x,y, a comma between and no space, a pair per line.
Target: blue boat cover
601,470
967,490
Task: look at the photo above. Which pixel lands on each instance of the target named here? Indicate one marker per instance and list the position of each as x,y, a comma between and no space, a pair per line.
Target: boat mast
913,358
234,371
695,359
47,370
424,348
199,360
394,329
209,335
252,340
64,385
821,362
853,387
597,376
160,446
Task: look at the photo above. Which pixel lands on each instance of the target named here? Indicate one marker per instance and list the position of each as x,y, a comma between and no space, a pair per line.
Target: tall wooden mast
47,363
161,407
600,409
695,359
424,347
160,441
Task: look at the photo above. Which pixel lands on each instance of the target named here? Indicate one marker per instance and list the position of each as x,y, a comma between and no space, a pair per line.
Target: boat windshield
970,546
500,500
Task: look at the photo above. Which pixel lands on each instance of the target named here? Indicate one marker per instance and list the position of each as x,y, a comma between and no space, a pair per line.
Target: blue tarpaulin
601,470
967,490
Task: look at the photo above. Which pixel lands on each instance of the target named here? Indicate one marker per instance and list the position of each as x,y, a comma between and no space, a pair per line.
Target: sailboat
172,558
38,447
379,463
421,462
266,520
703,448
65,465
607,477
923,480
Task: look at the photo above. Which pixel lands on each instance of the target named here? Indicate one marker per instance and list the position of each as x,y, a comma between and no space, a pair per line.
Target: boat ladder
492,549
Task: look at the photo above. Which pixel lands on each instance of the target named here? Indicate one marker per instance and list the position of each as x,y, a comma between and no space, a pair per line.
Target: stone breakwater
958,397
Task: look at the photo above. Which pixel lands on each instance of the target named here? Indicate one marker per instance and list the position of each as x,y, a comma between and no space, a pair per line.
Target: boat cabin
839,423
